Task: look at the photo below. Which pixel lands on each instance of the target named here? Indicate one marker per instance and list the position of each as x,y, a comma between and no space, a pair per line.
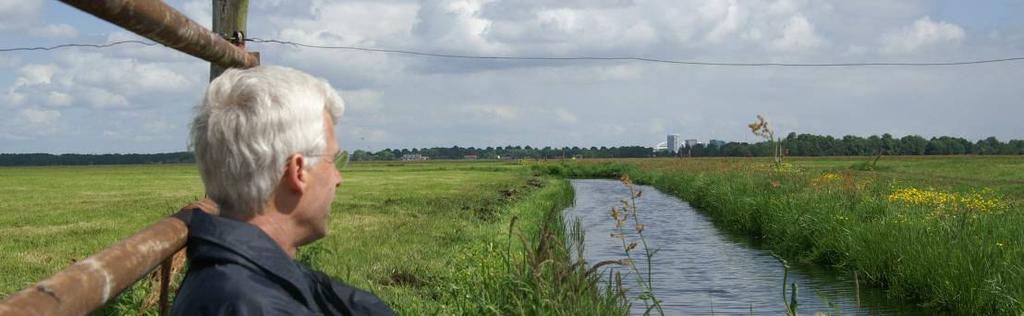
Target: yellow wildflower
825,179
982,201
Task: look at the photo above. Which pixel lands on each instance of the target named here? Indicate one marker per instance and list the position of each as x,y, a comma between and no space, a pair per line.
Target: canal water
699,270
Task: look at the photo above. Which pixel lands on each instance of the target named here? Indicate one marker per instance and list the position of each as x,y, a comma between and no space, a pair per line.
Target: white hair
248,124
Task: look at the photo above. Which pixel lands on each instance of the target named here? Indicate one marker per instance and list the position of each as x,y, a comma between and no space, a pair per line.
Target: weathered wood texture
163,24
88,284
229,17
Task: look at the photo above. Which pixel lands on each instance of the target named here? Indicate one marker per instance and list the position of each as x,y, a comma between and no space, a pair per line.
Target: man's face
324,179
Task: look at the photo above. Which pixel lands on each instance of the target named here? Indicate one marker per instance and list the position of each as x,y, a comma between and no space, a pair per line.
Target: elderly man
264,142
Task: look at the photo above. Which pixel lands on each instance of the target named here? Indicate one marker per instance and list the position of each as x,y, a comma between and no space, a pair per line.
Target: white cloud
656,126
492,112
565,116
102,81
727,18
54,30
367,24
347,23
154,78
142,127
200,11
391,97
622,72
13,98
561,31
103,99
19,14
34,74
9,61
23,20
361,101
785,7
57,98
797,35
856,50
454,26
127,75
354,137
777,26
29,123
658,27
158,126
38,116
617,130
924,33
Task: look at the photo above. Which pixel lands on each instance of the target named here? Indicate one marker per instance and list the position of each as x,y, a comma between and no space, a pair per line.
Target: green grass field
944,232
428,237
433,237
50,216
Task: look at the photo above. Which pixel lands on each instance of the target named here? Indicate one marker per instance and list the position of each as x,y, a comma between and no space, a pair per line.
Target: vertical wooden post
229,20
229,17
165,285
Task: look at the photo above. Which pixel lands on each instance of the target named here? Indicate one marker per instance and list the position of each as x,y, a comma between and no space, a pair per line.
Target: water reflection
701,271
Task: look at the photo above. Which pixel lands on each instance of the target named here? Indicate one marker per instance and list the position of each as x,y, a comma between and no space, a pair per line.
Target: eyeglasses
340,159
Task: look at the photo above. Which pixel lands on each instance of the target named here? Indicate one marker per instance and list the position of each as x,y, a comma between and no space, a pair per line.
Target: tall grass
532,273
944,248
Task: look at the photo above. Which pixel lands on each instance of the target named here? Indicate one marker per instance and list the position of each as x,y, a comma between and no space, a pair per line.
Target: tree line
40,159
792,145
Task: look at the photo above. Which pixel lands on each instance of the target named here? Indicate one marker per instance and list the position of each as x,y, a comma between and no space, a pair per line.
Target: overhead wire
556,58
641,59
111,44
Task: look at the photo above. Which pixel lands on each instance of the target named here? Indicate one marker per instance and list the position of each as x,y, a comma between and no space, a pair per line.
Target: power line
111,44
550,58
641,59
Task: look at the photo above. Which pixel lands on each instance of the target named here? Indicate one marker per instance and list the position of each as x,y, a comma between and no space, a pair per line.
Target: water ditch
699,270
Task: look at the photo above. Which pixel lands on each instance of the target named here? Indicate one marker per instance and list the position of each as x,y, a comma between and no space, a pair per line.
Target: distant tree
361,155
386,154
989,146
874,144
1013,147
889,145
913,145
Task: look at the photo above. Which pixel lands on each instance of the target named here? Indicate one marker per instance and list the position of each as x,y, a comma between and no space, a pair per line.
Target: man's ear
295,173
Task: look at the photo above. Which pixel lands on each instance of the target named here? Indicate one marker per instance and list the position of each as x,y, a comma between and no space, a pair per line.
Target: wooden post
229,17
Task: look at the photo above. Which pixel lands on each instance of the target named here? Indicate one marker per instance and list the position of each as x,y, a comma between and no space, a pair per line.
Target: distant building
470,157
716,143
672,143
414,157
692,142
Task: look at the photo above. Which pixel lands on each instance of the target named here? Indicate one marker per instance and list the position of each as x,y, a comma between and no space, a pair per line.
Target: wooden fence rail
163,24
90,283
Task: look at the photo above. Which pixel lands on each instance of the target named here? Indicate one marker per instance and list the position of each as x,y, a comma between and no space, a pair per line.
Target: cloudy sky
140,99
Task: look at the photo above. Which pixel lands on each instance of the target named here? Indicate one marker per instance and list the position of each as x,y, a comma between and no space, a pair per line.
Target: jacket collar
220,240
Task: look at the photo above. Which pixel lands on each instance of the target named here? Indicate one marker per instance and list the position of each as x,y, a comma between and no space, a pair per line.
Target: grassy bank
428,238
944,232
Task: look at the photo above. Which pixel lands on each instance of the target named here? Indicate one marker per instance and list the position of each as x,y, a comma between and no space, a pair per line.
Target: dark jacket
236,269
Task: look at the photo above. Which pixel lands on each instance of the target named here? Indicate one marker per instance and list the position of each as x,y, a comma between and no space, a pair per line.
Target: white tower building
673,143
